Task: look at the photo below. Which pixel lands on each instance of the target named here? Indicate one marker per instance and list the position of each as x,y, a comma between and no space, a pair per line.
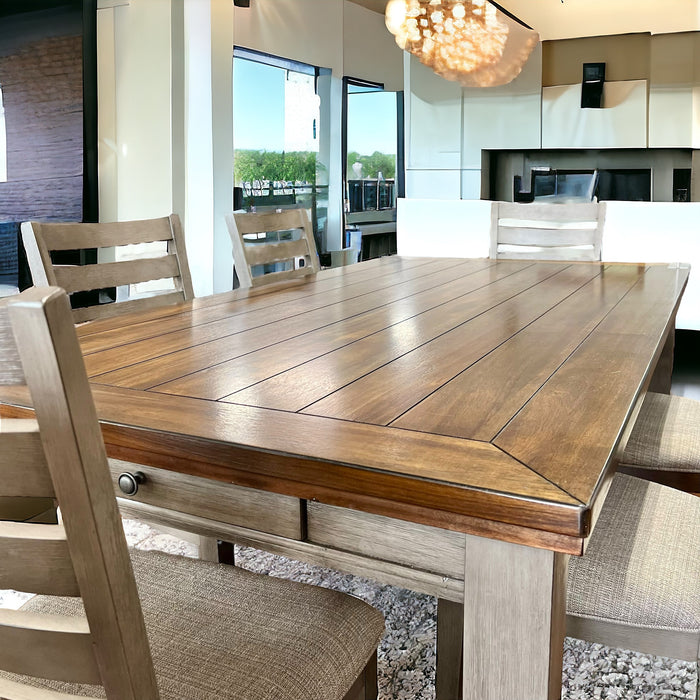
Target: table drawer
419,546
258,510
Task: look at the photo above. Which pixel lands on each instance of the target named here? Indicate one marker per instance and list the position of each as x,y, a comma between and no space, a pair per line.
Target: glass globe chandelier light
469,41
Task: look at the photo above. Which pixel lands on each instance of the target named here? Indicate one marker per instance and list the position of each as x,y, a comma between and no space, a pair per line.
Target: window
277,156
371,150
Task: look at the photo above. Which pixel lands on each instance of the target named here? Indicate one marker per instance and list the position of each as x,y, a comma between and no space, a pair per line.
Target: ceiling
557,19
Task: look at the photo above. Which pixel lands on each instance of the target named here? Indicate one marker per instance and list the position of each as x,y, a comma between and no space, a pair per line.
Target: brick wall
42,93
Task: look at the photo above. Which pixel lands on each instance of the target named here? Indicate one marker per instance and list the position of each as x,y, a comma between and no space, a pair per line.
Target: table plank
298,388
383,395
113,327
202,333
448,301
505,379
452,483
588,401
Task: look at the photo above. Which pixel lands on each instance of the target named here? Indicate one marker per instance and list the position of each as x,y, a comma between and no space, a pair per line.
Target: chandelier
469,41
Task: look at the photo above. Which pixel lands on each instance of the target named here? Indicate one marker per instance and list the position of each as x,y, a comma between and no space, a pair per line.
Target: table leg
514,616
661,379
450,633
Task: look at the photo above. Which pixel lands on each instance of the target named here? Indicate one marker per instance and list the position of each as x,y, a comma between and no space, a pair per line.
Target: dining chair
636,587
272,246
664,445
131,240
140,266
558,231
142,625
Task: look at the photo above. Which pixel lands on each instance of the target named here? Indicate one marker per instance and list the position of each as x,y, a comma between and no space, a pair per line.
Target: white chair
547,231
151,625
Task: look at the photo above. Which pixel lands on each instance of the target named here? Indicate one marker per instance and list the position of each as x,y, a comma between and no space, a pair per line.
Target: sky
258,103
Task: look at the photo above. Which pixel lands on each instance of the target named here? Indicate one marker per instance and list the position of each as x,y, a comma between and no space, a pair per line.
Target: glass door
276,114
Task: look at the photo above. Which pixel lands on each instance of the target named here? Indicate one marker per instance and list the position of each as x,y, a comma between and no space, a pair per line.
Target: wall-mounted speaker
592,85
241,3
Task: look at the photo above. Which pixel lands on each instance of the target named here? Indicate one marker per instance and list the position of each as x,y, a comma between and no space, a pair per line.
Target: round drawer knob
129,483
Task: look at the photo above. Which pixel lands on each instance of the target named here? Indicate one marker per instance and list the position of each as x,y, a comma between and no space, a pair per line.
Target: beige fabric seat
180,629
638,584
664,445
221,632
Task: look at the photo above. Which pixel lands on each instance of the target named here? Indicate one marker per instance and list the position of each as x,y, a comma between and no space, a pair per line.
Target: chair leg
365,687
448,671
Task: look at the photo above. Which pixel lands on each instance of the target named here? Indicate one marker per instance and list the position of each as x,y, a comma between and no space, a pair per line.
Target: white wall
369,50
309,31
141,70
448,126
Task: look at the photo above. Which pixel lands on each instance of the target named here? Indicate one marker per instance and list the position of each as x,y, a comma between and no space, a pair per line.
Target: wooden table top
484,396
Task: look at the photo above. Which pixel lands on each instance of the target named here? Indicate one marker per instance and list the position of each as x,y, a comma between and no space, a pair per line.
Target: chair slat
68,236
88,313
281,276
54,647
22,461
546,238
269,221
580,211
563,254
19,691
80,278
276,252
10,365
35,559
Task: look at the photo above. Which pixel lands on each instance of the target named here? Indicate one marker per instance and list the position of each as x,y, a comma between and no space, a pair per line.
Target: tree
384,163
250,165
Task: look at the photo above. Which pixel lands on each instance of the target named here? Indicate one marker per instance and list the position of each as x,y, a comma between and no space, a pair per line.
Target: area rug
406,666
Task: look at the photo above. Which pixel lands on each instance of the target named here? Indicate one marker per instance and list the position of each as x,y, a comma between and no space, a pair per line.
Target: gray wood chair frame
60,455
547,231
247,254
41,238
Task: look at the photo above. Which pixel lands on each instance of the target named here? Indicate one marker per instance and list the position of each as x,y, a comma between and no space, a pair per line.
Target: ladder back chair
149,625
636,587
275,239
547,231
42,239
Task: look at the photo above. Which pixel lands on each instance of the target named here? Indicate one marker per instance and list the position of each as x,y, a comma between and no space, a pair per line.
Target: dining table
448,425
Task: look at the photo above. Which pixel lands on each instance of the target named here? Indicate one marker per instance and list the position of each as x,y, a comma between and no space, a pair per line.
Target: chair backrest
278,240
61,455
41,239
547,231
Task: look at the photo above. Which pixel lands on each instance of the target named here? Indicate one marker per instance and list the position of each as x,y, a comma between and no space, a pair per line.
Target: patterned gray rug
407,653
